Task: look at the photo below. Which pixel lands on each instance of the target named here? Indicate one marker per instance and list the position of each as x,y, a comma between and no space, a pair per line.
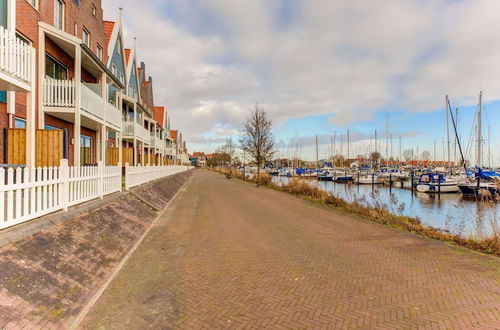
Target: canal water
450,212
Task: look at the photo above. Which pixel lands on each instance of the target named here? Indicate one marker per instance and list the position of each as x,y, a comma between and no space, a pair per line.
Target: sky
321,68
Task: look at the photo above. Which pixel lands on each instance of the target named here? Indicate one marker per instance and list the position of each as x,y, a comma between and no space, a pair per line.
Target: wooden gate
48,146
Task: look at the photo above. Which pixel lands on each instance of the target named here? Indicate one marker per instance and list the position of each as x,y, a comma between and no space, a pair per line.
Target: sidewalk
230,255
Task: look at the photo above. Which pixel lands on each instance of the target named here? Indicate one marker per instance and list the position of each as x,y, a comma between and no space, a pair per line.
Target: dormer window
114,70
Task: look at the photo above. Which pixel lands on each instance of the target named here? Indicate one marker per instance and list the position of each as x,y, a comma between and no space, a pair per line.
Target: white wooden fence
28,193
15,56
136,175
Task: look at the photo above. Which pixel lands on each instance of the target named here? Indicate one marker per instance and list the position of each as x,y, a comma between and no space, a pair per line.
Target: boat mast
489,146
387,137
479,136
448,136
399,158
348,153
456,133
317,156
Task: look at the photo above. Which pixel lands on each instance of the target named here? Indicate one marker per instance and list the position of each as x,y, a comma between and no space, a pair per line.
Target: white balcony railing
59,93
157,142
15,56
133,129
113,116
92,102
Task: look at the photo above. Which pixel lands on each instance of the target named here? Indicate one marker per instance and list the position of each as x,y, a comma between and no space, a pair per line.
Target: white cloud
347,58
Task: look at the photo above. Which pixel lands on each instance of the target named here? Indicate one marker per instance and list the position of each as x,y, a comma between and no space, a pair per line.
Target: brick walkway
230,255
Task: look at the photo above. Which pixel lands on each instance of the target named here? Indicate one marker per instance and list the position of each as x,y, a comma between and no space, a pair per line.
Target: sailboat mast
489,146
387,137
448,135
399,158
317,156
348,153
479,135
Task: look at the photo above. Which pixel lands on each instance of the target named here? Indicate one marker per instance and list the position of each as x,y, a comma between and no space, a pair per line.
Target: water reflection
448,211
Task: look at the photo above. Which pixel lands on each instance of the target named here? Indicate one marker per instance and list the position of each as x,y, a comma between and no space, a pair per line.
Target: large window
59,14
85,150
54,69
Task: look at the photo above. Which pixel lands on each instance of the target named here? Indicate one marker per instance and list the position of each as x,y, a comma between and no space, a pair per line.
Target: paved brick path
230,255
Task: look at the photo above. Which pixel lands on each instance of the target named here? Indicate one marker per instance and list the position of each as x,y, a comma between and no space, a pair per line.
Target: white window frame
99,51
33,3
122,78
62,14
85,31
114,70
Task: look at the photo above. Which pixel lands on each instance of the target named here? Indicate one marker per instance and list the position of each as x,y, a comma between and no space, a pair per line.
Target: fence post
120,171
126,176
100,179
64,177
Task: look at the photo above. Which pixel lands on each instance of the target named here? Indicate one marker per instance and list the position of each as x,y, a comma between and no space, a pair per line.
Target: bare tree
375,156
257,139
229,149
408,154
426,155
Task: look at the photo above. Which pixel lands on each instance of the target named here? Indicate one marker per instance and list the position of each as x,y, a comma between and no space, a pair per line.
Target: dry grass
379,212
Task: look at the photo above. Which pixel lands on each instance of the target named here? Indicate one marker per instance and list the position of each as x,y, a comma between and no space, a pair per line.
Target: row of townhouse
71,90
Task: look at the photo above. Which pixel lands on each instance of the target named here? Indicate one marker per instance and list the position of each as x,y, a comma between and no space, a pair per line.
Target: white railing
59,93
131,127
136,175
15,56
92,102
26,193
113,116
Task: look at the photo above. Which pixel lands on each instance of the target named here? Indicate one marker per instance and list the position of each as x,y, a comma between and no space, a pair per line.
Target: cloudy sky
320,67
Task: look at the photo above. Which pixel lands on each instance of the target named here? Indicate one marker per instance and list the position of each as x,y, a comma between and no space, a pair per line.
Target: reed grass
379,212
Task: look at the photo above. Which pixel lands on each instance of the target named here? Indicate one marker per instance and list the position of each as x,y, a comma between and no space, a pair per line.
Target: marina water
450,212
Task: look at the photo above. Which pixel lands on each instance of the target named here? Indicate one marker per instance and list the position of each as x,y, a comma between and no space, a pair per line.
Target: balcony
59,97
16,58
157,142
132,129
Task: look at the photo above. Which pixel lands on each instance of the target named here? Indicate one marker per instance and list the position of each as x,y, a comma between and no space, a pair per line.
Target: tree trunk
258,175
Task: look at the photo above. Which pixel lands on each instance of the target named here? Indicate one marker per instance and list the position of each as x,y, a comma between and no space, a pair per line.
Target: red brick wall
27,19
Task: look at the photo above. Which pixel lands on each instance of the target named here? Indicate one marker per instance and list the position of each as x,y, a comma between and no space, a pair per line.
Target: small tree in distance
257,139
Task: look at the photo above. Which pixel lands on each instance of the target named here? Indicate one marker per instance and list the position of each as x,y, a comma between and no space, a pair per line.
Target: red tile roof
127,55
159,115
173,134
108,30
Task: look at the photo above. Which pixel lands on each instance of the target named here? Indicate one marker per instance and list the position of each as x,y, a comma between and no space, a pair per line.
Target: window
118,46
99,52
20,123
54,69
77,2
93,10
3,97
122,79
50,127
33,3
85,150
114,71
86,37
59,14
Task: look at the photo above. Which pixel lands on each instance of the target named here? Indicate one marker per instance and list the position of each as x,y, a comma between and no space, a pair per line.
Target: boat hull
435,188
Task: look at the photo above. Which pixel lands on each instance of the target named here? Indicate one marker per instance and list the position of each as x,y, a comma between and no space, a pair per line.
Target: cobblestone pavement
227,254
